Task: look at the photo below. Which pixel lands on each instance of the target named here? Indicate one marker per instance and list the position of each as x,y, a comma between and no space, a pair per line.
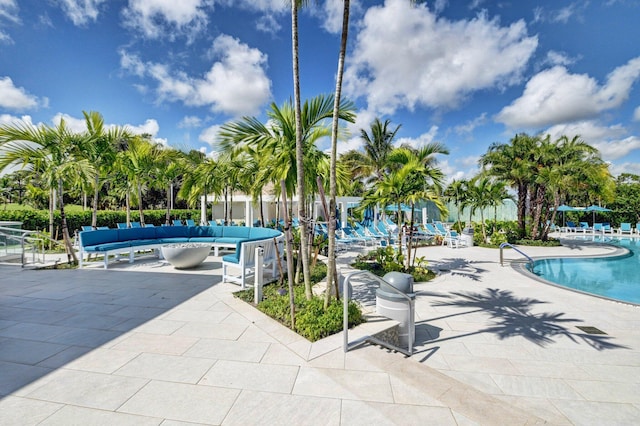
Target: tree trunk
71,253
140,205
52,196
289,248
167,218
522,208
302,217
332,270
96,192
128,206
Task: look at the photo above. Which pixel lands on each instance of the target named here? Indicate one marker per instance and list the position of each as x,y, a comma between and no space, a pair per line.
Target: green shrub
313,322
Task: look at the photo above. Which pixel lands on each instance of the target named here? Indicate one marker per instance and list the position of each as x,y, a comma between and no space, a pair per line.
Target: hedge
39,219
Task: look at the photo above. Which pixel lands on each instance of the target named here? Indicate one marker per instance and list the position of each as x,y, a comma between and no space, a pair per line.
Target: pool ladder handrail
370,339
503,245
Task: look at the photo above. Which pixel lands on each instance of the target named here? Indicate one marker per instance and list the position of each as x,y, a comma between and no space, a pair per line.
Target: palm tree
275,142
55,154
137,162
456,193
101,152
512,163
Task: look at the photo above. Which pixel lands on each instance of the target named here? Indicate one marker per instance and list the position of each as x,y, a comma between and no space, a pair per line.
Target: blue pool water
616,278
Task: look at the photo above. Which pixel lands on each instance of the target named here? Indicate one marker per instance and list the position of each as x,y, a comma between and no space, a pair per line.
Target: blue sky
464,73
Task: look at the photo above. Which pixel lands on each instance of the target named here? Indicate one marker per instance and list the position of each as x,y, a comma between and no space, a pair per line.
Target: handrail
345,315
503,245
33,240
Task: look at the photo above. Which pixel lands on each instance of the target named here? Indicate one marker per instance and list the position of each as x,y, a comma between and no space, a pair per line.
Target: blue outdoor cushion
203,239
172,232
205,231
92,238
232,258
262,233
235,231
172,240
109,246
136,234
229,240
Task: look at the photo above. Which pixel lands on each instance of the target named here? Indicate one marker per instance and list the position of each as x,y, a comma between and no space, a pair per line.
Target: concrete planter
185,255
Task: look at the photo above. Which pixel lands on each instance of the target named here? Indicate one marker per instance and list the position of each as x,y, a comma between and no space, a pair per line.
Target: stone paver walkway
145,344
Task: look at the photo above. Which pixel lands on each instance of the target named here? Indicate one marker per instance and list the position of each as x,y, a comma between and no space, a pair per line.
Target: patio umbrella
564,208
593,208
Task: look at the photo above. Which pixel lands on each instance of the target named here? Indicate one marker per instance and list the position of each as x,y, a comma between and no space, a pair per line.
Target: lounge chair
350,233
136,225
122,226
584,227
638,228
598,228
177,222
607,229
191,222
87,228
625,228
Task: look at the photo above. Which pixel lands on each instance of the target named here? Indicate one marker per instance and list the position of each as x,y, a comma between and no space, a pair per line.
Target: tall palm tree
137,162
101,152
53,153
455,193
275,142
512,163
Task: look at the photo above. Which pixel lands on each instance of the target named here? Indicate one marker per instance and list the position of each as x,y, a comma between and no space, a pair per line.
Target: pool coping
618,252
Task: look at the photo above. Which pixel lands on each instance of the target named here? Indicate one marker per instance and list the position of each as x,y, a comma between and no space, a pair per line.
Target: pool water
615,277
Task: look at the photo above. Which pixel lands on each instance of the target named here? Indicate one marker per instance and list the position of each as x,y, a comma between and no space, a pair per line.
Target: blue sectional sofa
127,241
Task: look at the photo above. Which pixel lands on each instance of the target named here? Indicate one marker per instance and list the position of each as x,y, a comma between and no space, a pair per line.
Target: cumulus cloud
81,12
210,135
420,141
555,96
468,127
237,84
79,125
190,122
161,18
12,119
406,56
613,141
17,98
627,167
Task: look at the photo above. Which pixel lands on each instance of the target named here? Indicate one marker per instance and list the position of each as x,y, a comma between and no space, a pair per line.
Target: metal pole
258,278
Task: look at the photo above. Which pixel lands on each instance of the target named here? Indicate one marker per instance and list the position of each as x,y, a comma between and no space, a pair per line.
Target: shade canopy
565,208
594,208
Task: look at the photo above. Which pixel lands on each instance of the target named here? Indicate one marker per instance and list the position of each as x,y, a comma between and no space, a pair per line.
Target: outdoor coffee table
185,255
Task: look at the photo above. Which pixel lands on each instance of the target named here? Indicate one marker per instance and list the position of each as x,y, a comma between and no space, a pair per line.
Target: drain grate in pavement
590,330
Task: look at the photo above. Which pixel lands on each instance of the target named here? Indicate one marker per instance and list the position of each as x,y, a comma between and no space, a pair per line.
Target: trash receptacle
467,236
392,305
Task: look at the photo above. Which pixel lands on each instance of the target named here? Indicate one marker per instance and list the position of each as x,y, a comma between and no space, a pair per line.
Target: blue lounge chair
136,225
177,222
87,228
625,228
122,226
191,222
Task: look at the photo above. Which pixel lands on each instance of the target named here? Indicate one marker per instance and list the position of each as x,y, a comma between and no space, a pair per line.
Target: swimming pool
615,277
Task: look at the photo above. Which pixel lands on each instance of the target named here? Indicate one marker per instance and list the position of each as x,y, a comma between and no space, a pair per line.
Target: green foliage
385,259
39,219
313,322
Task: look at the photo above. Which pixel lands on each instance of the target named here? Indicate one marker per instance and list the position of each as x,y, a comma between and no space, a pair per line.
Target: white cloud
613,142
9,11
190,121
636,114
165,18
618,169
17,98
468,127
406,56
11,119
81,11
558,58
210,135
79,125
420,141
268,24
555,96
237,84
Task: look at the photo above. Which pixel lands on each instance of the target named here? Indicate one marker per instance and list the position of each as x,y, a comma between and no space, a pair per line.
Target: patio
145,344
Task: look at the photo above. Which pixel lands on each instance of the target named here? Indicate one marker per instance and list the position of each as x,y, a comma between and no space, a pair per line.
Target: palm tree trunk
94,213
127,198
168,215
71,254
140,204
302,217
332,270
52,196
